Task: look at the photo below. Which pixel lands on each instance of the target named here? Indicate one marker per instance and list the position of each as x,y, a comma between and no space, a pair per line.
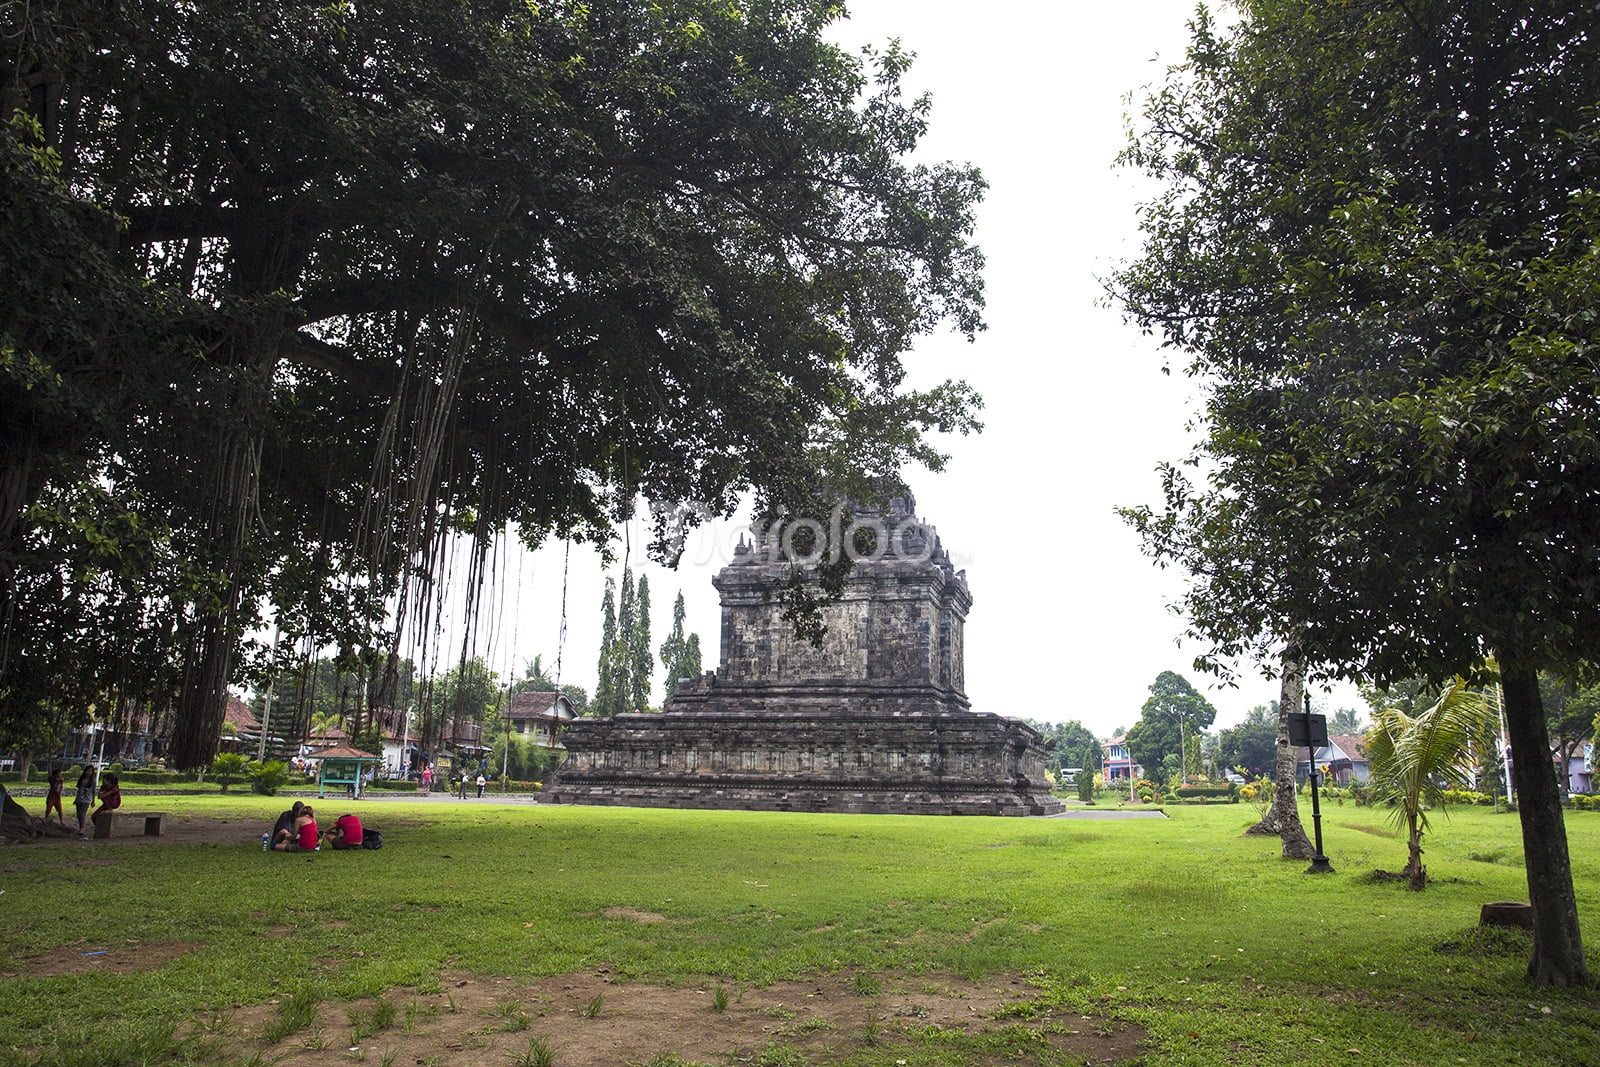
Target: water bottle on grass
266,842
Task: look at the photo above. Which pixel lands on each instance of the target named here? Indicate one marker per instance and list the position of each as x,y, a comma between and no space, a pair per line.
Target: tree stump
1507,913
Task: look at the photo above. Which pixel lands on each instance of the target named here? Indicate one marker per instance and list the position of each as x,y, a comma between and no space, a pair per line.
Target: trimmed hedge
1185,792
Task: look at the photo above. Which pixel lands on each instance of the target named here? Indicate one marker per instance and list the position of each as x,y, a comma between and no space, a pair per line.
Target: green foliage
1346,722
1174,710
641,661
444,293
1086,774
268,776
1260,793
680,652
621,651
230,767
1411,756
1377,243
1465,796
468,692
1068,741
1187,792
524,759
1252,746
607,700
535,681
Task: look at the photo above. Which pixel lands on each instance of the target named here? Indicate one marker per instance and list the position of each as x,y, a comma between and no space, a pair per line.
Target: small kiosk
344,767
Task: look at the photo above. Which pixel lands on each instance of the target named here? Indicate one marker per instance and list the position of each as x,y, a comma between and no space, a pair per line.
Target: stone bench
153,821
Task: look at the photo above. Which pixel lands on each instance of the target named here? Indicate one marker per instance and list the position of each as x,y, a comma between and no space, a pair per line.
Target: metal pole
1319,862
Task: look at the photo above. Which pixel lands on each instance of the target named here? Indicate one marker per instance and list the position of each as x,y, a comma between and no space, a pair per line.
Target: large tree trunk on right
1283,817
1557,945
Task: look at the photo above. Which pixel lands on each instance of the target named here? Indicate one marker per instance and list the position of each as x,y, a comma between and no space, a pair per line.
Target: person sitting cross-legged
304,837
345,834
284,828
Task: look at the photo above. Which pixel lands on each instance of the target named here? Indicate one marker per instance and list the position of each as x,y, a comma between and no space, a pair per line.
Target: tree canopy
680,652
299,292
1251,745
1377,246
1174,712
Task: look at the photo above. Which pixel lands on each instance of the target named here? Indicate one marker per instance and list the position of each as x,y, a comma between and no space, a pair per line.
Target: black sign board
1308,731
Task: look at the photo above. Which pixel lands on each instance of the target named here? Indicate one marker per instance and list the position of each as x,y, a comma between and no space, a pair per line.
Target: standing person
110,796
481,781
52,797
427,778
83,798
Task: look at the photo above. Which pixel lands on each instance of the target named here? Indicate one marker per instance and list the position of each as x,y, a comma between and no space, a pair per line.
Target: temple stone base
858,763
874,718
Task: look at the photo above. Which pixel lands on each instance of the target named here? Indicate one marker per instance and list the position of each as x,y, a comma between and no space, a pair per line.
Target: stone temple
875,720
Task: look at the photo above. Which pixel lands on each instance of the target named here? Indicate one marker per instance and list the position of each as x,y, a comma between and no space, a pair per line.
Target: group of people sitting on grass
296,831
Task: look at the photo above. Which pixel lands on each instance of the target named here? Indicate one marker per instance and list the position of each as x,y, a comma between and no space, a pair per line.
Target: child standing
83,798
52,798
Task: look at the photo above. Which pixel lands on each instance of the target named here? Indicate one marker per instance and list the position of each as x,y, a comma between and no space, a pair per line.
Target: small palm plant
229,767
1414,757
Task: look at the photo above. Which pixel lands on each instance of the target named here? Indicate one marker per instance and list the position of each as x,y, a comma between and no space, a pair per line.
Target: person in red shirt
304,836
346,833
52,798
110,796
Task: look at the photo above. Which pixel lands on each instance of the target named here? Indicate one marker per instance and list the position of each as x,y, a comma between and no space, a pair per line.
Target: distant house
400,751
540,716
1345,757
241,729
1117,762
1579,768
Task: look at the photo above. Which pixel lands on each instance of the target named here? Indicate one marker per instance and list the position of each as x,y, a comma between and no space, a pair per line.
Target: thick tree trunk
1557,945
1283,818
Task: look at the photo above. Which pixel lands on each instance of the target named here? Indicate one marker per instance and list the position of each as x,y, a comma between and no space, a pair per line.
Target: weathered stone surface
876,720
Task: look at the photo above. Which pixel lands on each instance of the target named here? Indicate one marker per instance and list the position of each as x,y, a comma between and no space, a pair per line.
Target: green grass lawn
1224,952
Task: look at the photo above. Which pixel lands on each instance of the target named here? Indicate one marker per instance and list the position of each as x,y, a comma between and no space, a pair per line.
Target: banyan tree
299,296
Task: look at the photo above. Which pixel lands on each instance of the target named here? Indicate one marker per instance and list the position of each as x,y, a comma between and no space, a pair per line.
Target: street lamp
1312,731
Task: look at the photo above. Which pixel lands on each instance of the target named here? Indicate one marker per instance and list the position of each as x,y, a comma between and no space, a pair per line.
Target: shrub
268,777
229,767
1186,792
1260,793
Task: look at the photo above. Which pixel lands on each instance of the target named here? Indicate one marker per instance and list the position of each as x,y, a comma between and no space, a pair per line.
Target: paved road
1108,813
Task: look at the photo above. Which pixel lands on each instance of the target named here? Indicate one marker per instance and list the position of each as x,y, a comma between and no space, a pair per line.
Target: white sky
1069,620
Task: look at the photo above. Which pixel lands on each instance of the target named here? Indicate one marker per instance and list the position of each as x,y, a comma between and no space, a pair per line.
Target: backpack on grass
371,838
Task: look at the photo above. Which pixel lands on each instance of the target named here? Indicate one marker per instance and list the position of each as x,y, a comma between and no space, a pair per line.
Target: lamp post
1311,731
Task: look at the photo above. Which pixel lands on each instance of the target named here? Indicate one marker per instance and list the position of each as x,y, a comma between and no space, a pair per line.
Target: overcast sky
1070,620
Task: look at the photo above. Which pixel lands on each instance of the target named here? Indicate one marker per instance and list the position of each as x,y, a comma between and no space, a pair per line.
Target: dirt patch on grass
590,1020
183,830
648,918
89,957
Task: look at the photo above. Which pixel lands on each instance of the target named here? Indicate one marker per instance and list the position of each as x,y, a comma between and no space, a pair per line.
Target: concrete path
1109,813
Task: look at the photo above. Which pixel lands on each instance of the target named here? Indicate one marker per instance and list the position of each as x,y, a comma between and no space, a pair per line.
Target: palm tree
1413,756
323,722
